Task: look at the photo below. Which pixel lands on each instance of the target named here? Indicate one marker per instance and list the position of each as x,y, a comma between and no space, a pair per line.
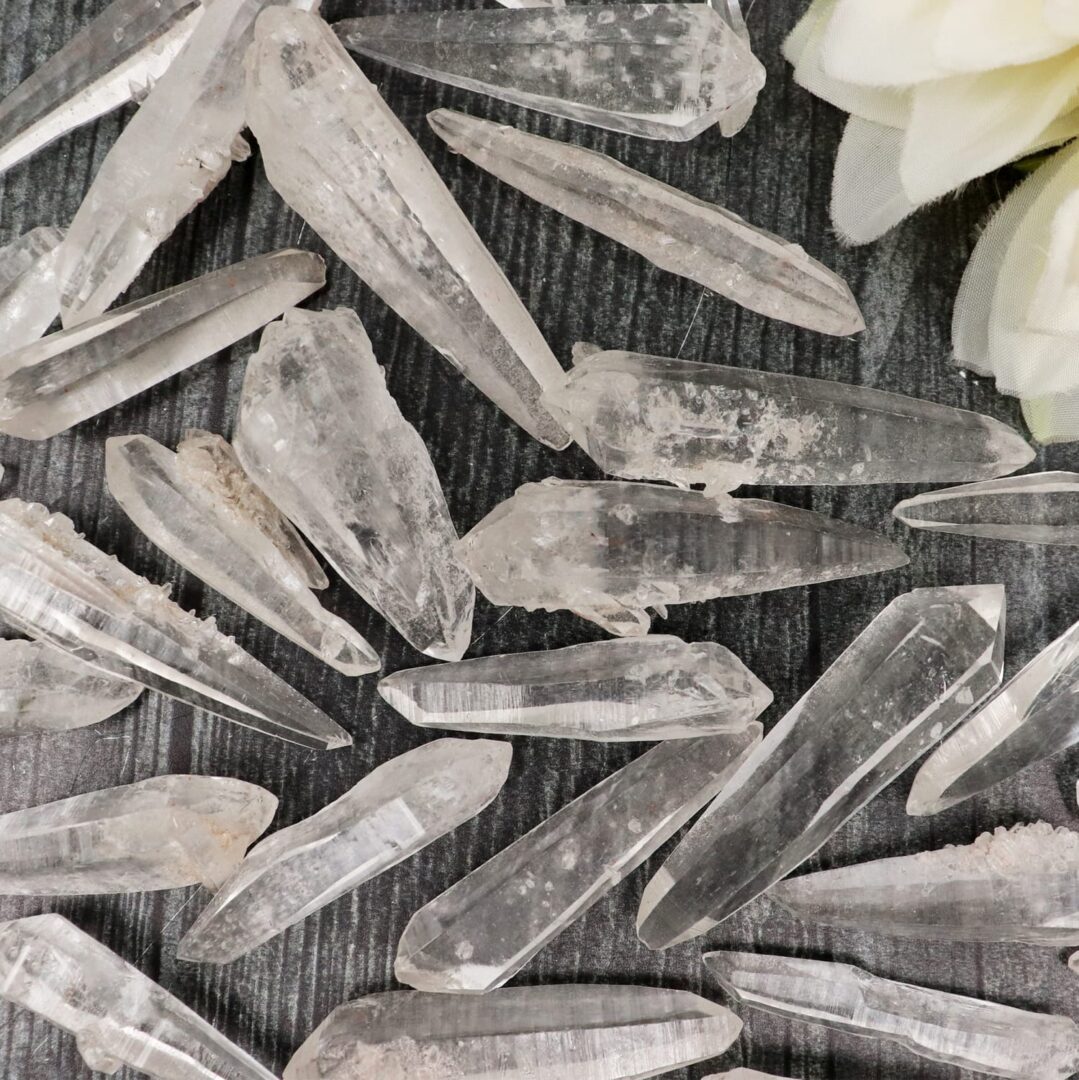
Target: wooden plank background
579,286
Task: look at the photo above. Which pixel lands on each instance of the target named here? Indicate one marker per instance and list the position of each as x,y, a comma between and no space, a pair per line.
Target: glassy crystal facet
28,292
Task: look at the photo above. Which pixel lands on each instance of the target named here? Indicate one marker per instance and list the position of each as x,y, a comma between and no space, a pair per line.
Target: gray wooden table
579,286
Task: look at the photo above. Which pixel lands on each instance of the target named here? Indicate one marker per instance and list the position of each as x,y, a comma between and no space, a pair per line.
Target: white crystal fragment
29,300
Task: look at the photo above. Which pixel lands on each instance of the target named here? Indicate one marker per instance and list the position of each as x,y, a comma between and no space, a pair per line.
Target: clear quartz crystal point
919,667
201,509
608,550
164,833
663,71
679,233
59,588
319,432
341,159
480,932
118,1016
622,690
562,1032
970,1034
28,298
393,812
69,376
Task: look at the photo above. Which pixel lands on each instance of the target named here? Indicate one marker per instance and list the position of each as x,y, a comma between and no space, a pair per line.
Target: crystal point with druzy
919,667
339,156
59,588
480,932
608,550
201,509
965,1032
680,233
118,1016
393,812
28,298
654,418
565,1032
319,432
664,71
67,377
625,689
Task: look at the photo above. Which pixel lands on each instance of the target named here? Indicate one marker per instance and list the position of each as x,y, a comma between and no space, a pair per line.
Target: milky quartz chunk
480,932
677,232
627,689
59,588
911,675
341,159
608,550
118,1016
67,377
562,1032
319,432
664,71
201,509
28,298
960,1031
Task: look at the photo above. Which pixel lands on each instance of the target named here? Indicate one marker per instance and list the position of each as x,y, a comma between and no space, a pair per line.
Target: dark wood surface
579,286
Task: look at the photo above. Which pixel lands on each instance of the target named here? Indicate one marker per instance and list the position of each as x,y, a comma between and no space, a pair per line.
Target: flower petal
979,35
1062,16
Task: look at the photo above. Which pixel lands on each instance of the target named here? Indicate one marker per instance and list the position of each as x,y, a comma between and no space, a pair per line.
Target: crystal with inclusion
28,297
59,588
664,71
970,1034
69,376
319,432
480,932
392,813
562,1032
698,240
608,550
919,667
201,509
164,833
625,689
339,156
118,1016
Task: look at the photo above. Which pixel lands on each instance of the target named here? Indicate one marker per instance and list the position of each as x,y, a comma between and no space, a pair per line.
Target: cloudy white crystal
29,300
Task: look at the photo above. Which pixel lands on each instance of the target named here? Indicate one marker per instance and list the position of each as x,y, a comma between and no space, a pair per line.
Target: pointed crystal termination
623,690
525,1033
654,418
480,932
961,1031
607,550
28,290
919,667
117,1015
67,377
319,432
127,48
59,588
677,232
202,510
340,157
163,833
663,71
392,813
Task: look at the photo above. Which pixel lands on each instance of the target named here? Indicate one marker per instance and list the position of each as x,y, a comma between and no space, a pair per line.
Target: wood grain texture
579,286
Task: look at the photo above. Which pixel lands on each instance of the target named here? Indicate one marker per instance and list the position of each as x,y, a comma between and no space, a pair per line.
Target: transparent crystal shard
680,233
608,550
108,63
59,588
69,376
960,1031
340,157
118,1016
480,932
562,1032
650,417
910,676
623,690
201,509
663,71
319,432
28,298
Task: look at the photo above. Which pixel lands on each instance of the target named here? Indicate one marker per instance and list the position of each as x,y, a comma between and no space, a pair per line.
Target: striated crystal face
28,298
